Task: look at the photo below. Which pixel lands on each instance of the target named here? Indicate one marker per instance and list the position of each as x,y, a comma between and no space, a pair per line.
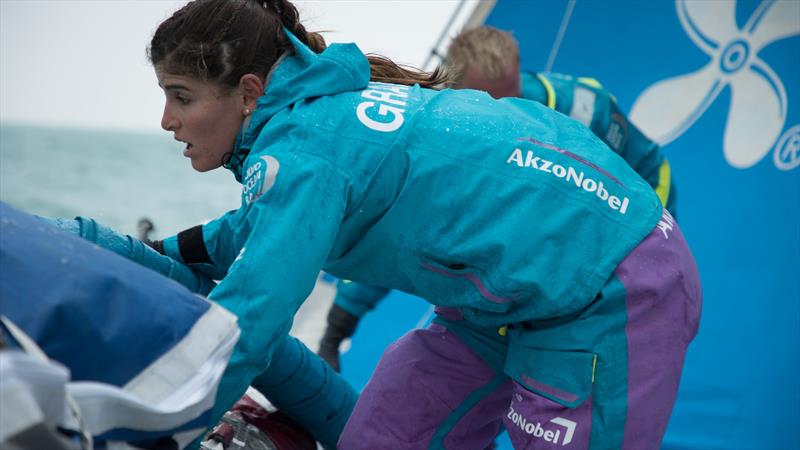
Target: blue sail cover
718,84
147,352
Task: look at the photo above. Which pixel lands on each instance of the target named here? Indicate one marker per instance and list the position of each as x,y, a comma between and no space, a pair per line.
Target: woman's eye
183,100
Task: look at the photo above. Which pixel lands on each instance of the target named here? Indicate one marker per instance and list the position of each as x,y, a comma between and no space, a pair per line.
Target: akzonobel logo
758,108
547,432
571,175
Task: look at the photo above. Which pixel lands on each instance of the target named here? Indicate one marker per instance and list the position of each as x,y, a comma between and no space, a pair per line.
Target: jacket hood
299,76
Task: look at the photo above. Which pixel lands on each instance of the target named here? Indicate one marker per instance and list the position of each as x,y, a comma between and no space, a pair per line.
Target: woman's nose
168,120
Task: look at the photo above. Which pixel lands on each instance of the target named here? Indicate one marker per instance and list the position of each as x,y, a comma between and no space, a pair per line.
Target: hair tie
275,5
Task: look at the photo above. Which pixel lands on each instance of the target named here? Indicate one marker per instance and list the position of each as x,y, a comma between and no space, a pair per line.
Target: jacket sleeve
586,100
207,248
292,208
358,298
610,123
641,153
135,250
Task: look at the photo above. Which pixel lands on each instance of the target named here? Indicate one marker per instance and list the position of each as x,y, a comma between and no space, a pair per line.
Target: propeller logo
758,106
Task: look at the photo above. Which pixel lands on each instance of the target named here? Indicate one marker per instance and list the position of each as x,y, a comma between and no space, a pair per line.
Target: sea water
113,177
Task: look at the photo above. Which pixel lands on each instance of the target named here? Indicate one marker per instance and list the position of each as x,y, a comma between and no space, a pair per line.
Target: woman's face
203,116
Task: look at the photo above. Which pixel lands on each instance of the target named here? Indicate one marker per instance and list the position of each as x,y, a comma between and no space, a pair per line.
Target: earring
246,112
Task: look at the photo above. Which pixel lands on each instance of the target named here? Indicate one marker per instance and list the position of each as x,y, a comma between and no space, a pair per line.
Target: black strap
192,247
156,245
341,324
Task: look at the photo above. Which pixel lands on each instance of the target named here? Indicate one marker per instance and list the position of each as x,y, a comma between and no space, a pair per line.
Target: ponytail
221,40
290,18
381,69
384,70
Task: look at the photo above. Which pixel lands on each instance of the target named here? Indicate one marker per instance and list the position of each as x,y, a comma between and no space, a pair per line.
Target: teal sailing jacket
504,209
585,100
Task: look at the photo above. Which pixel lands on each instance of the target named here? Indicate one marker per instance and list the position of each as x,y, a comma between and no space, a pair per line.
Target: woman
487,59
511,216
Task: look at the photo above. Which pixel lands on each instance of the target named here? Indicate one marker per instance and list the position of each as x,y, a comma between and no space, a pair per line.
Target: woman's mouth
187,150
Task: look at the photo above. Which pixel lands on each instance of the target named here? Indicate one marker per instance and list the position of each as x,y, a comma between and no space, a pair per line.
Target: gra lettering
384,108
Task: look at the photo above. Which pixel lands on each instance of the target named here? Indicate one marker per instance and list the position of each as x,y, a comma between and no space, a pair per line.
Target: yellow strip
551,93
590,82
594,364
595,84
664,180
502,330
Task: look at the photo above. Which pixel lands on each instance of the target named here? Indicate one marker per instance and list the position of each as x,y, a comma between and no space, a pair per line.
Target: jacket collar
295,77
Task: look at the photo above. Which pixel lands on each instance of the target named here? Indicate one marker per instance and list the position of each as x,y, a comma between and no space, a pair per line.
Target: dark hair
222,40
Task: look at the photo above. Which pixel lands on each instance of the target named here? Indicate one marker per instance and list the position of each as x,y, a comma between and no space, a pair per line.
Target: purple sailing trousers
605,380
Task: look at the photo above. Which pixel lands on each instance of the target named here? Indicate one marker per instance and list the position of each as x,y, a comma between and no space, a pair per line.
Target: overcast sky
82,63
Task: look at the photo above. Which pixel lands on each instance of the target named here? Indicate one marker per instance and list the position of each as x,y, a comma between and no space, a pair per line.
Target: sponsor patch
617,133
583,105
560,434
259,178
666,224
572,176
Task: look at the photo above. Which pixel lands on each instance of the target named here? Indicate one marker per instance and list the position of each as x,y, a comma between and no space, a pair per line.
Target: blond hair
492,51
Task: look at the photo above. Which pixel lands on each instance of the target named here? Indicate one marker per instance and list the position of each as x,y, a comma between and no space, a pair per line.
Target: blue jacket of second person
588,102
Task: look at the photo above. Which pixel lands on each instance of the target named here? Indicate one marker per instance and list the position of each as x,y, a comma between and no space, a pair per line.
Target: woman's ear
251,88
